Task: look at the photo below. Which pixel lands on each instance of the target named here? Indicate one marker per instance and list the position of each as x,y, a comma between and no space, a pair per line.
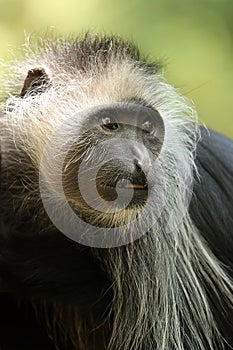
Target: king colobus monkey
116,227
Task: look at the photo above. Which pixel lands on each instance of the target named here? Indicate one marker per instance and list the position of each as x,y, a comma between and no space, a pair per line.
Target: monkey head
100,139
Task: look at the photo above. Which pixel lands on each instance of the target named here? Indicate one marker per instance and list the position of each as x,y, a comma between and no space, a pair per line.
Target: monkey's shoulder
211,207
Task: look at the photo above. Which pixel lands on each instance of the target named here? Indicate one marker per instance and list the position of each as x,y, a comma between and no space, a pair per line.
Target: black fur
212,204
48,267
211,209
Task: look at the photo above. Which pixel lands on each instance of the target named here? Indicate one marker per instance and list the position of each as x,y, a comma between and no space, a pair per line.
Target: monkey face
110,168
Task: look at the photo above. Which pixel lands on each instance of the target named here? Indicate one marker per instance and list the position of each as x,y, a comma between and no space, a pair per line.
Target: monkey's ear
37,81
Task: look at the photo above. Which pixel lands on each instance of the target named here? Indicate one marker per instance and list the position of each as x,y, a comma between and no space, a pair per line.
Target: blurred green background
195,37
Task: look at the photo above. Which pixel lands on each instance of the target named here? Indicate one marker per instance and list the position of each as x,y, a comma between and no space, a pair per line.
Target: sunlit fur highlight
160,299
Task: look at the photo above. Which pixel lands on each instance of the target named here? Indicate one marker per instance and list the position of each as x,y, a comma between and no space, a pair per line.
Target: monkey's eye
148,126
109,123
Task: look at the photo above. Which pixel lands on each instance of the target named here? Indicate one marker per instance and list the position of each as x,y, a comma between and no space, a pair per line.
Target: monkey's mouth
125,191
126,184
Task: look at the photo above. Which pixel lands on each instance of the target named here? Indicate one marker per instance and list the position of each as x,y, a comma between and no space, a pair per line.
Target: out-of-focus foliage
195,37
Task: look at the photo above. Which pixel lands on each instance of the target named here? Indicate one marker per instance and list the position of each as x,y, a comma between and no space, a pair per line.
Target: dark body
53,268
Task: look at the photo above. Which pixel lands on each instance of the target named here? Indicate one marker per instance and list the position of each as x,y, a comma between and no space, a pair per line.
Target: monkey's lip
124,185
110,192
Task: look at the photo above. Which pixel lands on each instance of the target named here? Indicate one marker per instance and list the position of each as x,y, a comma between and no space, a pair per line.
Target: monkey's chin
105,218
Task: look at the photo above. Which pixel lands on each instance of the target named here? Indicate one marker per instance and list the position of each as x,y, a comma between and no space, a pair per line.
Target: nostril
138,164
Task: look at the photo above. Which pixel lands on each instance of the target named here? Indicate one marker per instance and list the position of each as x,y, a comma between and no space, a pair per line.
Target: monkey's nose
141,160
138,164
